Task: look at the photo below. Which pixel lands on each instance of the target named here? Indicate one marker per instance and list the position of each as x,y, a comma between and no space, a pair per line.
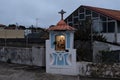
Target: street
23,72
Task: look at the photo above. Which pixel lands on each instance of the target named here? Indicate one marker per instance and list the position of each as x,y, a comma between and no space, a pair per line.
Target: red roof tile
61,25
115,14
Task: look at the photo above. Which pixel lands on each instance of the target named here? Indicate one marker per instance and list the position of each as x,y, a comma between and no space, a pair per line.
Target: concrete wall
28,56
99,46
96,68
109,36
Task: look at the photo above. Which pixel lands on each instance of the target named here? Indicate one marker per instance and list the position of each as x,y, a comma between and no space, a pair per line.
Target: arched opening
60,43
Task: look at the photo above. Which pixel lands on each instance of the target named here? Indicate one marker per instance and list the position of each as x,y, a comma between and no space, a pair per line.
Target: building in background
2,26
104,21
27,31
11,33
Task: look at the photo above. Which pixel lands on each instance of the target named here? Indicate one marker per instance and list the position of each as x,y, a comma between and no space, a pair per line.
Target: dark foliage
11,25
21,27
85,34
110,56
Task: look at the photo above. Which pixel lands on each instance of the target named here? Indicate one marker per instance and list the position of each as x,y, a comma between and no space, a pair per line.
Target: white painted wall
118,37
109,36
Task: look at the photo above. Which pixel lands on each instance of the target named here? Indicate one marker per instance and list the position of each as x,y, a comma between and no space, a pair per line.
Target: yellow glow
60,43
62,36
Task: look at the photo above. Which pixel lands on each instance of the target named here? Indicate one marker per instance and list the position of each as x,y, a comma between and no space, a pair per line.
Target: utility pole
5,37
37,19
16,25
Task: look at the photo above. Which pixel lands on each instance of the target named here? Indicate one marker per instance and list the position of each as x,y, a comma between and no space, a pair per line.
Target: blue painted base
61,59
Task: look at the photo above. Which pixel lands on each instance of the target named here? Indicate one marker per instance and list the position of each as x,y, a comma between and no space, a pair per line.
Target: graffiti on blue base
60,59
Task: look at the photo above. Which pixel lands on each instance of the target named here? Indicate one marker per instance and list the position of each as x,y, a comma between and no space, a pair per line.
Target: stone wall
99,69
29,56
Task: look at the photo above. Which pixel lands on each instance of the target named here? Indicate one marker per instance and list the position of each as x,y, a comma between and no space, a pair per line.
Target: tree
85,36
11,25
21,27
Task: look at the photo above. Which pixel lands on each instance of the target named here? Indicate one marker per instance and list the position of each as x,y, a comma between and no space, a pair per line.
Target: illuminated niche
59,42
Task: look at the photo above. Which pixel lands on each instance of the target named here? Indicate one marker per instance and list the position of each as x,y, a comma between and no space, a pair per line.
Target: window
97,26
75,13
104,26
94,14
118,23
111,26
75,20
88,17
60,43
70,18
81,10
81,16
88,12
103,18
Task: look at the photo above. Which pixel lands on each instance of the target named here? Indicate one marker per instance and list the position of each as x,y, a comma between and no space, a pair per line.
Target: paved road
23,72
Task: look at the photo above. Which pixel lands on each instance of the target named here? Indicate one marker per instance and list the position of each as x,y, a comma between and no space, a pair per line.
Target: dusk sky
25,12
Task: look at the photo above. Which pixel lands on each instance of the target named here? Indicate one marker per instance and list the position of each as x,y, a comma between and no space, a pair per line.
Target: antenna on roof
62,12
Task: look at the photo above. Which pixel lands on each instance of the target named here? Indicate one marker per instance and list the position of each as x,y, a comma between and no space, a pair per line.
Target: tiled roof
61,25
115,14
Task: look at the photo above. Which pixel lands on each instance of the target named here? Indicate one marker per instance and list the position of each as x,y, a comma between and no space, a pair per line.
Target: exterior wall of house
11,33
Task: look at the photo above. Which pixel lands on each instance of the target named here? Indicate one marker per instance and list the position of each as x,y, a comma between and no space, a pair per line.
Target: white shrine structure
60,54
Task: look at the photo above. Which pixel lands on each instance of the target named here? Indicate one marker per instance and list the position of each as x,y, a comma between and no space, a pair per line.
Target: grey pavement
23,72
